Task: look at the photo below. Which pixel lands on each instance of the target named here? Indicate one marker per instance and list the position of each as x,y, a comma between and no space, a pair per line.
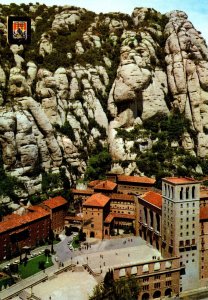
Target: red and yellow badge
19,30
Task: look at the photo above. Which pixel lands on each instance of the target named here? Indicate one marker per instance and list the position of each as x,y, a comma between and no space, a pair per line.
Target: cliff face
89,80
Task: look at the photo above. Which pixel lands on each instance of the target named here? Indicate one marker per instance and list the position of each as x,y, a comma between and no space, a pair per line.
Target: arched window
156,266
145,268
134,270
151,218
165,191
158,222
181,194
168,264
168,191
145,214
193,192
187,192
172,192
122,272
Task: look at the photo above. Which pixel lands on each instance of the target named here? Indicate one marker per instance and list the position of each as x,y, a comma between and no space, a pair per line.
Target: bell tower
180,229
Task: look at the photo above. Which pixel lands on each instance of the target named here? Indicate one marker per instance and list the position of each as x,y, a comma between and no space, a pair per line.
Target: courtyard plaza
100,257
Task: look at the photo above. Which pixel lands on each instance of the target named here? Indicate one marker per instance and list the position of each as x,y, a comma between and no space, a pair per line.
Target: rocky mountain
135,85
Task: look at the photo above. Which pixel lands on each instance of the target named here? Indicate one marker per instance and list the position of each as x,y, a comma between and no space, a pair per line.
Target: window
187,219
187,212
168,275
193,191
92,225
145,287
145,279
193,204
193,225
181,212
187,204
187,226
181,205
157,276
157,285
193,232
187,233
168,283
193,218
193,211
181,226
181,234
181,194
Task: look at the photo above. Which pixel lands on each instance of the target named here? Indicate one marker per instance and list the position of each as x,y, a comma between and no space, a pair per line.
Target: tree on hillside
98,165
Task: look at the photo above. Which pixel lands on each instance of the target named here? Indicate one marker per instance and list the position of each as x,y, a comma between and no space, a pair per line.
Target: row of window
187,226
187,212
146,279
156,285
187,233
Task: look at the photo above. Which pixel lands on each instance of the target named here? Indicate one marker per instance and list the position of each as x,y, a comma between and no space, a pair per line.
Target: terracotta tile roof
12,221
124,197
105,185
82,192
98,199
55,202
153,198
136,179
93,183
180,180
203,213
111,216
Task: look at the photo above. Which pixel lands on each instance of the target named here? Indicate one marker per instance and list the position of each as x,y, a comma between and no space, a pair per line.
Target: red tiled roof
82,192
55,202
93,183
203,213
180,180
153,198
105,185
97,200
111,216
124,197
136,179
14,220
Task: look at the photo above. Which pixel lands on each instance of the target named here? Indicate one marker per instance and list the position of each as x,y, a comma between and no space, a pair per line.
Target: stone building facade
156,278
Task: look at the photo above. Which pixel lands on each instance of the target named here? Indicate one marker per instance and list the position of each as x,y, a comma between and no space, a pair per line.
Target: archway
145,296
156,294
168,292
92,234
